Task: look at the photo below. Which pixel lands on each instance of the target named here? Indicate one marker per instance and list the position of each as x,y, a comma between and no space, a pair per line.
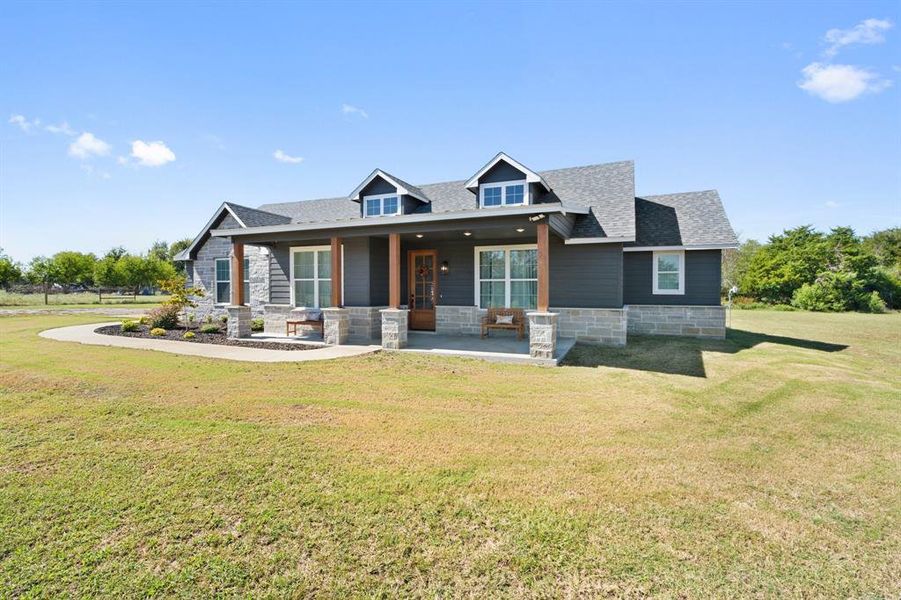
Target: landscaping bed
143,331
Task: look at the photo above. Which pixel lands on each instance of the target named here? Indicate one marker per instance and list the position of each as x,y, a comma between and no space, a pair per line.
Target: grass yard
73,300
768,464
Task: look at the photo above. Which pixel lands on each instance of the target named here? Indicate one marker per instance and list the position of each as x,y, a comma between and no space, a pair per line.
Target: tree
181,296
159,250
737,262
74,268
10,271
116,253
885,245
784,264
176,247
42,271
138,271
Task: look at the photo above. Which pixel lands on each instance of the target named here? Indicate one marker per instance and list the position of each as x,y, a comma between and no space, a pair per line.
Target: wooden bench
292,325
489,321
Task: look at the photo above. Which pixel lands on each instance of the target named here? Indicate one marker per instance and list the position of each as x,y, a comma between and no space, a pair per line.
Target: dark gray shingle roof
253,217
687,219
607,189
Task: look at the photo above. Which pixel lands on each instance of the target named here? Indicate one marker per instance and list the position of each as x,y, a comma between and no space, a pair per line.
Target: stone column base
542,334
394,328
238,321
335,325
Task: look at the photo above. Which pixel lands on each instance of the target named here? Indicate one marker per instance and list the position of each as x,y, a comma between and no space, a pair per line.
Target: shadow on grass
677,355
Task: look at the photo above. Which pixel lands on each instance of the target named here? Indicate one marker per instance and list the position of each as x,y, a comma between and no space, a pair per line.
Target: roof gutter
685,247
482,213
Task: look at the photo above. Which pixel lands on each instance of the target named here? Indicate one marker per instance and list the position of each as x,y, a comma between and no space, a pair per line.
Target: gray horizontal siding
702,279
279,268
586,275
356,272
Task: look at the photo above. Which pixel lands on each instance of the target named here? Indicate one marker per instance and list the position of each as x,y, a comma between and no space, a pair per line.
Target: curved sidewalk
84,334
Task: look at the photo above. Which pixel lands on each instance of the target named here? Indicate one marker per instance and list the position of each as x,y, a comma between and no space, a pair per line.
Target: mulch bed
201,338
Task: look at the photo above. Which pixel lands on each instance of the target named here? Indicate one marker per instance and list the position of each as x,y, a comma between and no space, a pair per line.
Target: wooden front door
423,286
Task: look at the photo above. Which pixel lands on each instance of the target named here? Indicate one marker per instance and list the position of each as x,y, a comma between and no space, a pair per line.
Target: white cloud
286,158
122,160
87,145
869,31
831,204
349,109
61,128
151,154
840,83
24,124
90,170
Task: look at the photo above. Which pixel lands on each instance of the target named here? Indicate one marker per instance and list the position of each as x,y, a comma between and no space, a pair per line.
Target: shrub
189,335
209,328
129,326
784,307
223,319
144,320
208,319
873,303
191,318
164,317
158,331
256,325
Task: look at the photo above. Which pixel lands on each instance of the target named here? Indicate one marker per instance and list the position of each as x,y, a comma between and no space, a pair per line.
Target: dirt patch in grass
201,338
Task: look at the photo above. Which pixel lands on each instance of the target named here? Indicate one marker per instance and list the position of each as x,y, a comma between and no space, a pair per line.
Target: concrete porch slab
498,348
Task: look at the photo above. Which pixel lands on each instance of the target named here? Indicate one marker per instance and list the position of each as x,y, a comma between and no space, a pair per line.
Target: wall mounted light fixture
445,268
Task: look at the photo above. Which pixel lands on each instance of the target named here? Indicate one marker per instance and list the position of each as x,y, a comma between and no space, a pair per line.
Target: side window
669,273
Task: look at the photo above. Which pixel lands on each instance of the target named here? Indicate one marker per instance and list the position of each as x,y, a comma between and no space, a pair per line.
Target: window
507,276
223,280
311,277
381,206
669,273
507,193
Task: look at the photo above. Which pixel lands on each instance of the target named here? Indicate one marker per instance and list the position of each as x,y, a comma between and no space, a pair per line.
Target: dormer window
504,193
383,205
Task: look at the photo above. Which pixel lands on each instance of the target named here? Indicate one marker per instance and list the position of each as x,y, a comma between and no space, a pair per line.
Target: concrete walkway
84,334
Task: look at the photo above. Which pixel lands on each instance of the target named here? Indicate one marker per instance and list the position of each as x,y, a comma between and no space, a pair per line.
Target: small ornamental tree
181,296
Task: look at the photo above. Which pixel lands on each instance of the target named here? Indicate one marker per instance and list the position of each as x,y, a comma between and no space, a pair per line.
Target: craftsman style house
574,249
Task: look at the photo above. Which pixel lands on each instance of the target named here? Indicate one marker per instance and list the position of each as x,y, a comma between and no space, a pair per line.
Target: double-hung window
381,206
506,193
669,272
311,277
223,280
507,276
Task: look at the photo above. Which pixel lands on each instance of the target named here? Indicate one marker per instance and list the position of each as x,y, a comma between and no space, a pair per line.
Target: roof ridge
646,196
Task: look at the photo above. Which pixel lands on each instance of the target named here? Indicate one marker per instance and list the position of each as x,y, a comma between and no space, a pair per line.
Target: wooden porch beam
237,274
337,276
543,267
394,270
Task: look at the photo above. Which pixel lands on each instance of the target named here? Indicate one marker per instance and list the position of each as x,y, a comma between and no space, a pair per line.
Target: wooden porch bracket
237,274
543,267
337,276
394,270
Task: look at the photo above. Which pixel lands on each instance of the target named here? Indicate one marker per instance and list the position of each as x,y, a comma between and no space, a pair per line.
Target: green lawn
765,465
74,300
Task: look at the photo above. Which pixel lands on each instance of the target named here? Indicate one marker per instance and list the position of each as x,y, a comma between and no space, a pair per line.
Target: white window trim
507,279
526,197
679,292
317,249
216,281
381,199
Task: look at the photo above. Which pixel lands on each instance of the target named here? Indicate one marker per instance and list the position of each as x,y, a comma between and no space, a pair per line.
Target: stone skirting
458,320
274,317
335,326
690,321
365,324
394,328
606,326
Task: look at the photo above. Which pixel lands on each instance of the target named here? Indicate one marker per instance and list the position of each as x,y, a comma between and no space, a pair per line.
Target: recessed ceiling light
467,233
520,229
419,235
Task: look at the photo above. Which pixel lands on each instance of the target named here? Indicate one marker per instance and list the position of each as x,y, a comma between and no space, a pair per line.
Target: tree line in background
78,271
812,270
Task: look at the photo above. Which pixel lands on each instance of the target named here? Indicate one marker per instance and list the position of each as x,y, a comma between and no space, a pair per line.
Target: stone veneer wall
606,326
690,321
204,273
365,324
458,320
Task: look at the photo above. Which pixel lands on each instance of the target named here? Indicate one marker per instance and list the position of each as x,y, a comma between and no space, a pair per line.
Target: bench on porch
311,319
517,322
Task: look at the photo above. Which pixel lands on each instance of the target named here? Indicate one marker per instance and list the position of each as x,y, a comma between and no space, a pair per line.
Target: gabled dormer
505,181
383,195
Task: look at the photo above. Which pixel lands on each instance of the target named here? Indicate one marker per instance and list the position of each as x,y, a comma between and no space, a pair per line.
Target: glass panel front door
423,286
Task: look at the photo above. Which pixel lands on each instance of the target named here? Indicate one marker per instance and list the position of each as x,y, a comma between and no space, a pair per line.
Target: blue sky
125,123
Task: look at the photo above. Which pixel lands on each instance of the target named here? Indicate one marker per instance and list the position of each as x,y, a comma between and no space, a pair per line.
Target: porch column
394,318
394,270
237,274
238,315
543,267
337,276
